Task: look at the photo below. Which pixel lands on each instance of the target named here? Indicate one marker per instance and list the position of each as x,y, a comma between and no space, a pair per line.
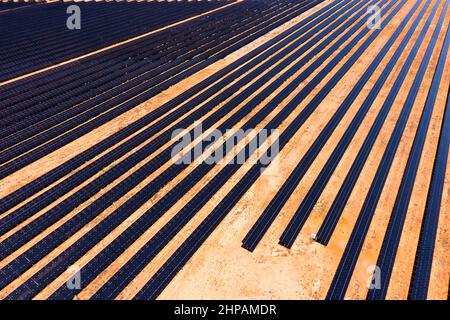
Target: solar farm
225,149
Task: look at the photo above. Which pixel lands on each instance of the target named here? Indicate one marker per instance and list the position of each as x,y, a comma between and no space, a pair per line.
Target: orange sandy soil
221,268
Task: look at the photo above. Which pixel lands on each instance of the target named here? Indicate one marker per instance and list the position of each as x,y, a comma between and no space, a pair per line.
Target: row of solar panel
174,264
315,191
270,213
117,191
102,92
127,59
118,55
42,201
157,283
390,244
7,155
99,89
184,186
4,6
72,164
103,24
148,149
425,251
210,188
351,253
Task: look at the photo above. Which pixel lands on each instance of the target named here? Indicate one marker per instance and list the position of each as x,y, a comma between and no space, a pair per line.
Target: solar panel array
67,213
35,48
